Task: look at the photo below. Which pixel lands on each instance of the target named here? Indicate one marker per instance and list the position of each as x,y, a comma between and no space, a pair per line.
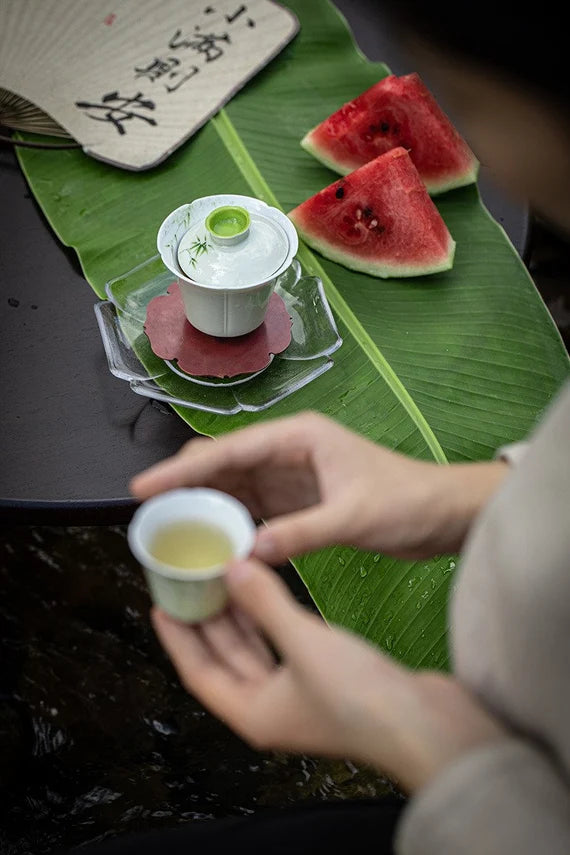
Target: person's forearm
460,492
431,722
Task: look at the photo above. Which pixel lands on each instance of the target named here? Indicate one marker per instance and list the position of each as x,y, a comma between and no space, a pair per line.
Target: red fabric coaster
172,336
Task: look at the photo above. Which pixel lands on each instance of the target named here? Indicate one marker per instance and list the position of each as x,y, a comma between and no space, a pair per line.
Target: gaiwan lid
233,247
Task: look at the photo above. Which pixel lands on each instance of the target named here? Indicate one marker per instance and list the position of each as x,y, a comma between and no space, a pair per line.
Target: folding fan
130,80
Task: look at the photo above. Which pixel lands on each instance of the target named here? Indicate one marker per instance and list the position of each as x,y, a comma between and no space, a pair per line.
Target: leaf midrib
239,153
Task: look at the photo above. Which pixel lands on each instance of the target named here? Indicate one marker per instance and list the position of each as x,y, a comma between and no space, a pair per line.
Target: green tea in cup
191,545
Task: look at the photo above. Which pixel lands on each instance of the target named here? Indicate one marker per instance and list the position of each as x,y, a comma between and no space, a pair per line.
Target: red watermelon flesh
378,220
397,111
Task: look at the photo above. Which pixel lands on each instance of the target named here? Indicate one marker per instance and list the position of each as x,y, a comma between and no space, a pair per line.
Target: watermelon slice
397,111
379,220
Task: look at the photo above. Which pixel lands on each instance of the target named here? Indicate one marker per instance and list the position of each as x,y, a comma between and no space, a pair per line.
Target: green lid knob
228,224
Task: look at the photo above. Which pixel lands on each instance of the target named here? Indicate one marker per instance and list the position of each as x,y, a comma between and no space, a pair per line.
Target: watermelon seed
373,224
339,192
367,212
384,127
359,214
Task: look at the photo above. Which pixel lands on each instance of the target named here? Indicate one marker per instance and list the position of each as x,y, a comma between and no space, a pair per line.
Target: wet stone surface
96,735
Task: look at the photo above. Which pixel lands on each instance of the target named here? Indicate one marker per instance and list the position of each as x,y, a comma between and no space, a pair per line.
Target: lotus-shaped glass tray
121,319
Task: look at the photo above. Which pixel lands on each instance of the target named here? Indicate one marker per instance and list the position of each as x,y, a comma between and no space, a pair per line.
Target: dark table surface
72,435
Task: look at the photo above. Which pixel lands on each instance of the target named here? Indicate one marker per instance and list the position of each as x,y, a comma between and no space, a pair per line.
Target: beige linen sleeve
505,799
510,620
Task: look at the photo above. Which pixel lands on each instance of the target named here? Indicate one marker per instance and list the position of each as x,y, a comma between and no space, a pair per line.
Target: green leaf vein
249,169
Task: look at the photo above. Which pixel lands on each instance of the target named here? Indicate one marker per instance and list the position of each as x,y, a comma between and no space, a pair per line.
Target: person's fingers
233,649
266,600
303,531
200,460
253,638
199,669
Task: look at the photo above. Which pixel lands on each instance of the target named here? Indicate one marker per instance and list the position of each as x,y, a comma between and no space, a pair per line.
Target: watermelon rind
439,187
381,270
310,147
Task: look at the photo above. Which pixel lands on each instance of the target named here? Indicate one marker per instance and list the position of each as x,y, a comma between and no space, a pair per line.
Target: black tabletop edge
67,512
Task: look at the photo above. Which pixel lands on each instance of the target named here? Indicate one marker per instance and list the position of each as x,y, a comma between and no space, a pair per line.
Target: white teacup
186,594
213,308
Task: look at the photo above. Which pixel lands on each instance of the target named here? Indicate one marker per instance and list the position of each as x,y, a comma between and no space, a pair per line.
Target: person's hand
331,693
319,484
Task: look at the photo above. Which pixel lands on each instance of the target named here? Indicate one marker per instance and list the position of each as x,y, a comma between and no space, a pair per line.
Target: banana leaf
444,368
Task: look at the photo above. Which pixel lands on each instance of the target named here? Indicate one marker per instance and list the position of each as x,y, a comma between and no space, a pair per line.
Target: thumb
263,596
302,531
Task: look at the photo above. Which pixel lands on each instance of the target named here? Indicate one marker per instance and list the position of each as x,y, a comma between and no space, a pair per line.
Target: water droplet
411,582
162,727
389,642
433,584
353,616
341,561
452,565
390,615
376,558
418,605
425,595
363,571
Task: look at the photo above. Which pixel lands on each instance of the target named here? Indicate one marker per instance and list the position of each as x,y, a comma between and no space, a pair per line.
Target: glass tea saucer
121,318
237,380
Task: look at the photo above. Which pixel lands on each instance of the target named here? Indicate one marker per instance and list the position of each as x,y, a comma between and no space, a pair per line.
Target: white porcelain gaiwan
227,253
